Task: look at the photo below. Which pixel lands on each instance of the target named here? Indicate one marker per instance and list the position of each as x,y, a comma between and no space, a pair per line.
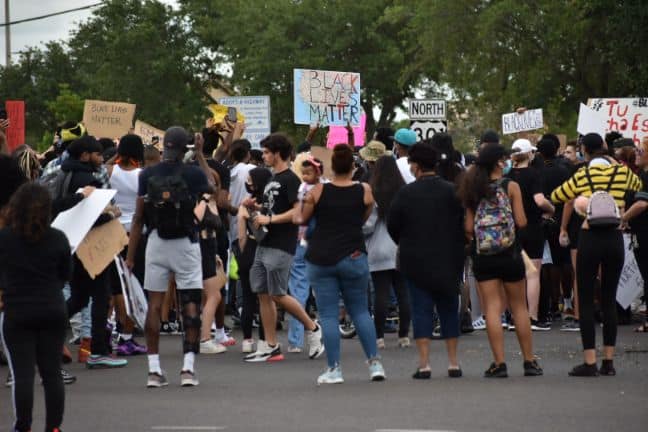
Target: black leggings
250,304
82,287
383,281
641,255
33,336
601,248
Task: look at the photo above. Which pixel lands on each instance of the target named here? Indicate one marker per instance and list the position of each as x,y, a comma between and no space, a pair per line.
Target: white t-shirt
404,168
126,183
239,174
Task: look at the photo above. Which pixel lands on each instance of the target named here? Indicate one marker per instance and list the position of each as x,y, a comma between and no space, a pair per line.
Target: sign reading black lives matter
524,121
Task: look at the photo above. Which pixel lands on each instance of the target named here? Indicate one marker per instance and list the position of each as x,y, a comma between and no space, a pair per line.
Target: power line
50,15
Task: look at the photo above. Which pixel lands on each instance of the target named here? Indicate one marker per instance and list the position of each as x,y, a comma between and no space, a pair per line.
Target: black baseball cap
176,139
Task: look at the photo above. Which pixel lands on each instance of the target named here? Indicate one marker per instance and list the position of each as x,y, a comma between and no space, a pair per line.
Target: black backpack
57,183
170,206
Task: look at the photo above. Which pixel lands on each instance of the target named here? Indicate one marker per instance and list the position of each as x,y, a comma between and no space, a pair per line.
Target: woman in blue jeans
426,221
336,261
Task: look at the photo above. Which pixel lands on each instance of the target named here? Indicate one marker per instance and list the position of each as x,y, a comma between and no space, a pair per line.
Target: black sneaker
9,382
496,371
466,323
532,368
607,368
584,370
540,326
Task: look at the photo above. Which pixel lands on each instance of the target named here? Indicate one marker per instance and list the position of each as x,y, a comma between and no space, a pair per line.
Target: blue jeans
350,278
299,289
84,316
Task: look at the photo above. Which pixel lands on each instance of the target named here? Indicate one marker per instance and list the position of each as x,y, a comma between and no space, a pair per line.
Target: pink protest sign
339,135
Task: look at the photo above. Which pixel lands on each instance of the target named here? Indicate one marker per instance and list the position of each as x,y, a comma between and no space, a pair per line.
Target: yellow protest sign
220,111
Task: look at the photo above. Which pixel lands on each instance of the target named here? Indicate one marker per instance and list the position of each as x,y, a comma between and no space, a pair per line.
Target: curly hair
29,210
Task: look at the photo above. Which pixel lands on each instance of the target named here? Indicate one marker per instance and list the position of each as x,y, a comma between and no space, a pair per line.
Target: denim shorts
423,304
270,271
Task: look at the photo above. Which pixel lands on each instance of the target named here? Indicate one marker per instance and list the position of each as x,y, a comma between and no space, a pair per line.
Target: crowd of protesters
403,229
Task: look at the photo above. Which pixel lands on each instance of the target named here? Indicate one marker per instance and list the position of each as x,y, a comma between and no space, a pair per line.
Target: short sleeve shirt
195,178
279,196
530,181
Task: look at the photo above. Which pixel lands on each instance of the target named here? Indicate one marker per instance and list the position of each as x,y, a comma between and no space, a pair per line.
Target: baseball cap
623,142
489,136
405,137
522,145
176,139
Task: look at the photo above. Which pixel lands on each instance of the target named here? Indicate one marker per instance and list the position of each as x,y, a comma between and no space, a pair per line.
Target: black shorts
507,266
559,255
208,254
532,240
573,230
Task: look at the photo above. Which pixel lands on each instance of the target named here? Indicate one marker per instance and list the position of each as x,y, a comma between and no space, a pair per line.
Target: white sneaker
376,371
315,345
188,379
247,346
404,342
331,376
479,324
211,347
380,343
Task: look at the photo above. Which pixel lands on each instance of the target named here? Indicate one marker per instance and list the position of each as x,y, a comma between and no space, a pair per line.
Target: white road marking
188,428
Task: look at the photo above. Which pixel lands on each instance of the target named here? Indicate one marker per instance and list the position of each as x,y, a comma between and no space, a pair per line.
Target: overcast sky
37,32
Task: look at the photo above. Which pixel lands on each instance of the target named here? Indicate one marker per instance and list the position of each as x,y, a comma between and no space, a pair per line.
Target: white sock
220,334
125,336
188,364
154,363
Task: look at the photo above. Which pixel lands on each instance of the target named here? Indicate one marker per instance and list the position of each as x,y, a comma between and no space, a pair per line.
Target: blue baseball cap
405,137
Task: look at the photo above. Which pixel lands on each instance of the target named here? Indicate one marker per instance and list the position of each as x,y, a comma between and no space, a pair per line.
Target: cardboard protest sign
520,122
99,247
628,116
324,154
147,132
16,130
590,121
108,119
255,111
134,298
326,97
77,221
339,134
630,283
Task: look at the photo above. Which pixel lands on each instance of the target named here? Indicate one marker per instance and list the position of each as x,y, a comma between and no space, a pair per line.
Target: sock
125,336
188,364
220,334
154,363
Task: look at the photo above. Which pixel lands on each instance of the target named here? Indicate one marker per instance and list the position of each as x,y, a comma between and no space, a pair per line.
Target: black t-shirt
195,178
554,174
640,223
530,181
279,196
34,272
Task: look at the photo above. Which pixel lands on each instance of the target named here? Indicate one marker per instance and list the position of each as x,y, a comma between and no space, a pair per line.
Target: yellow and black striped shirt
624,180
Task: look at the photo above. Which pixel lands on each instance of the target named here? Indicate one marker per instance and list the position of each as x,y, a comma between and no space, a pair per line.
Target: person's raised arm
312,131
199,142
350,134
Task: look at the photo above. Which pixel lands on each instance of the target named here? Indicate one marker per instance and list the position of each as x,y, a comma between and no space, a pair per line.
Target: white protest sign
134,298
77,221
427,109
628,116
630,283
427,129
326,97
590,121
256,110
524,121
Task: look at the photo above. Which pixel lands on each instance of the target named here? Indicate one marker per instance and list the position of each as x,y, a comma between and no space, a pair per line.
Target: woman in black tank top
336,260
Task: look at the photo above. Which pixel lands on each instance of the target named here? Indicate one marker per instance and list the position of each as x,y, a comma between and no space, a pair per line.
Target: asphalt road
235,396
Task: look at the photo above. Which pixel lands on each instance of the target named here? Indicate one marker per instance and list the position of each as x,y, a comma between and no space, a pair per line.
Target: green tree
264,41
66,106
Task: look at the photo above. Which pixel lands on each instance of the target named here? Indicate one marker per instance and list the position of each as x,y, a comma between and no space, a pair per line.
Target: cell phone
231,114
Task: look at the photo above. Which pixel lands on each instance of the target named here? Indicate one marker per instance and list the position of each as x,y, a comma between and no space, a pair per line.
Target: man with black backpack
167,195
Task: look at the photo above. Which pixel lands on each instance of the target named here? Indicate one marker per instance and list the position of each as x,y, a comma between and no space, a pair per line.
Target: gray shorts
177,256
270,271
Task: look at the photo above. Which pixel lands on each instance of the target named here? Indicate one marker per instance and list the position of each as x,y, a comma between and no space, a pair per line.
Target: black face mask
249,189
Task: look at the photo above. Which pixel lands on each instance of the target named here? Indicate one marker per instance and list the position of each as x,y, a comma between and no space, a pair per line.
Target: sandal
422,374
643,328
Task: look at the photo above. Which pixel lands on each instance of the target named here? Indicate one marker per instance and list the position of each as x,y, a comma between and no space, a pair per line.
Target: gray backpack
602,210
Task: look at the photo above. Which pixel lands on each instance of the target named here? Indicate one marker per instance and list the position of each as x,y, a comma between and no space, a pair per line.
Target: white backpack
602,210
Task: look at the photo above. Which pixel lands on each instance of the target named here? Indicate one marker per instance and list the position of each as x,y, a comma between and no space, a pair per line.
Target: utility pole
7,35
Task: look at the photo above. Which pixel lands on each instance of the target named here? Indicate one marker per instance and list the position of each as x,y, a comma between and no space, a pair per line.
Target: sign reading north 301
426,129
427,109
256,110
